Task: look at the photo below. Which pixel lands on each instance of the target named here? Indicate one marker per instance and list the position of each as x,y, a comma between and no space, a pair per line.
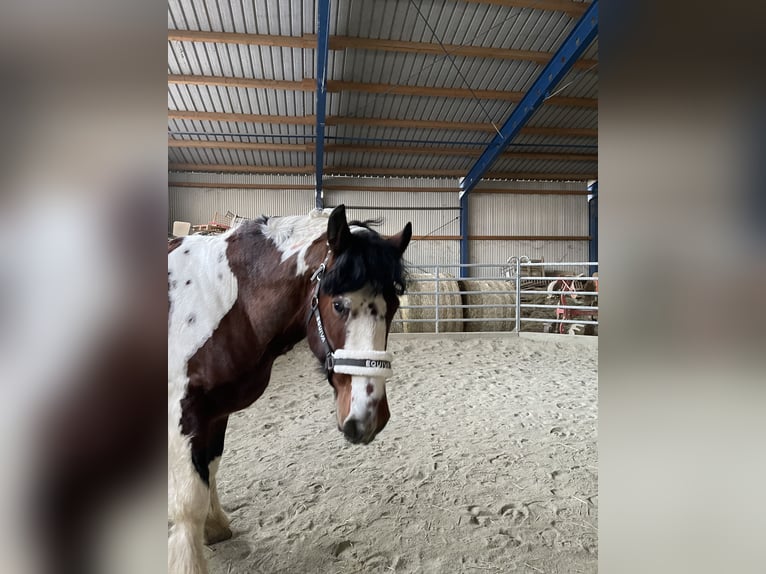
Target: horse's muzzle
356,432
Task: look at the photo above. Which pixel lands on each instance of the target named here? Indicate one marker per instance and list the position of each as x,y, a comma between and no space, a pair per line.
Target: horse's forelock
368,260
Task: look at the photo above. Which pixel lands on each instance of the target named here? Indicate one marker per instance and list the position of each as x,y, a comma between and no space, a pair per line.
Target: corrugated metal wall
431,213
198,205
521,214
500,214
498,252
496,214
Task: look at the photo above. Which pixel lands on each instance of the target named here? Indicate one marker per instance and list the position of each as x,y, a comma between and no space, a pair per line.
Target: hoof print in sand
341,547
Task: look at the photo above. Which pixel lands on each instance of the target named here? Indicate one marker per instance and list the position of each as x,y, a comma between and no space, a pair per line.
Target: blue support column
323,44
593,227
575,44
464,251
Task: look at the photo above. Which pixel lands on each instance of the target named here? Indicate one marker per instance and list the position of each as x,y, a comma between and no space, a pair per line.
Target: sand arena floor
488,464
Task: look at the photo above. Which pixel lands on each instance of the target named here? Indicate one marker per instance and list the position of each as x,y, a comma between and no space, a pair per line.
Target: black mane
367,223
368,259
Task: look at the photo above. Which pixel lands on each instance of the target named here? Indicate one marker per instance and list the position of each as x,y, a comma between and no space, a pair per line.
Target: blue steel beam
464,255
323,44
562,61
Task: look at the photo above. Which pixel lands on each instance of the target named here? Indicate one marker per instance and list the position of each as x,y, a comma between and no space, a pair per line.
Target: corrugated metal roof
239,100
449,22
257,132
237,61
275,17
239,157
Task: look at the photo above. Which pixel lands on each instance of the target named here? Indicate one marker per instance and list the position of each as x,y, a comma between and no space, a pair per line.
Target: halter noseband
347,361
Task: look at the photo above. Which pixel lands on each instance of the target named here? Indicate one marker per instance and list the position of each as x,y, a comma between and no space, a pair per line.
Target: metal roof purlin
562,61
323,45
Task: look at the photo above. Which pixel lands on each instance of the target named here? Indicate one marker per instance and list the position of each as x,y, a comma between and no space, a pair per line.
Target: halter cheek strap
350,362
314,311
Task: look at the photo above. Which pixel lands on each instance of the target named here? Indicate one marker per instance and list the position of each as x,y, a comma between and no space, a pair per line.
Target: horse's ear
338,232
402,239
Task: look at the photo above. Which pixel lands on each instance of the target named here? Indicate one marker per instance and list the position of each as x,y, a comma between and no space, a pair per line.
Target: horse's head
356,295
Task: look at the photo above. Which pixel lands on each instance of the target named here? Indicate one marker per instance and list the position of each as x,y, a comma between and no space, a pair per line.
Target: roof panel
224,99
277,17
459,23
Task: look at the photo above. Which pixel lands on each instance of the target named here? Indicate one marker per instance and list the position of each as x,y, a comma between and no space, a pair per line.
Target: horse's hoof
215,533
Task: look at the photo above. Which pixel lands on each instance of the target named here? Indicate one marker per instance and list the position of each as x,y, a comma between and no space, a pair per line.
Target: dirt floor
488,464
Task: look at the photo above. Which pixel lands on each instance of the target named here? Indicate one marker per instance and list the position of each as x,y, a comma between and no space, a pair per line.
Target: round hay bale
488,295
537,298
448,295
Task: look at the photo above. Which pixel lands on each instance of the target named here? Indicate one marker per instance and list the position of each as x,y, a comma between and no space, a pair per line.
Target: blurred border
84,197
681,370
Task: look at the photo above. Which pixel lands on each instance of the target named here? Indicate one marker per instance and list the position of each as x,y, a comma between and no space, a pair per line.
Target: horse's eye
339,307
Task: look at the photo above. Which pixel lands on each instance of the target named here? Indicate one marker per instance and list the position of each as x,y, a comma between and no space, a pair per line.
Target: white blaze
365,331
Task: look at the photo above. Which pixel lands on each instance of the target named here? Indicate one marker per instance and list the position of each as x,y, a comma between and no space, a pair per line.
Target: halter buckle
318,273
329,362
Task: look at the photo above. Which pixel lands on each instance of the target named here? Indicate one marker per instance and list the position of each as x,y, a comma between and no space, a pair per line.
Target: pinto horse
239,300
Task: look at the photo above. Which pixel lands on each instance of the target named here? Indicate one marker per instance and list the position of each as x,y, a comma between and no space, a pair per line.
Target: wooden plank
455,151
393,189
373,122
341,86
449,125
244,118
571,8
545,131
343,170
306,41
347,42
436,238
223,168
505,237
529,237
542,176
353,148
219,185
206,144
339,43
532,191
284,85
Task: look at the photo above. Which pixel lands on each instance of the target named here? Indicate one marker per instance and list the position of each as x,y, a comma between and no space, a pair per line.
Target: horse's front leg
188,502
217,523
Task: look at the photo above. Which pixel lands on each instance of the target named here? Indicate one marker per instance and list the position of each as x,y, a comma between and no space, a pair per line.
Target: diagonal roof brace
562,61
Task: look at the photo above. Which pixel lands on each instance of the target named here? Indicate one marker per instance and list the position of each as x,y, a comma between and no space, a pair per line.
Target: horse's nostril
353,431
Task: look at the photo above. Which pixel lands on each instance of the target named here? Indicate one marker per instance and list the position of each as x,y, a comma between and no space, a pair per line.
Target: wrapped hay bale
448,295
488,294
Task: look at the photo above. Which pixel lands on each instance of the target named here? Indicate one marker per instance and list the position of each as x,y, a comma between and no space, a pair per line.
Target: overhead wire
438,59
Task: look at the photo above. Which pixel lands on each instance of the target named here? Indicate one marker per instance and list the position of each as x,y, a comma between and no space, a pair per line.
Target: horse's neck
282,308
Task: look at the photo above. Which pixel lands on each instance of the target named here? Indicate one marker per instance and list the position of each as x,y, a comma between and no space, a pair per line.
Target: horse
570,295
239,300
